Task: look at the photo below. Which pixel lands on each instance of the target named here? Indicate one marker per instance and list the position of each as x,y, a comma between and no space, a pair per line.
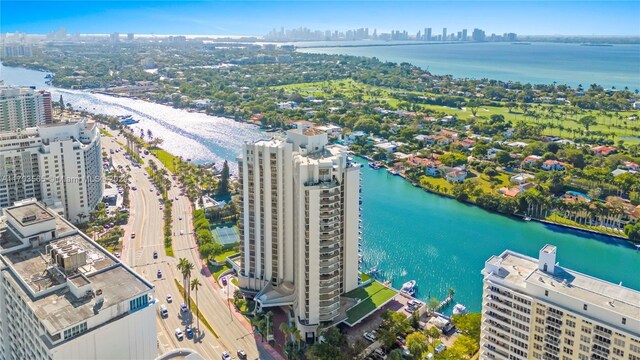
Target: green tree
417,344
61,103
503,158
210,250
587,121
223,185
331,349
468,324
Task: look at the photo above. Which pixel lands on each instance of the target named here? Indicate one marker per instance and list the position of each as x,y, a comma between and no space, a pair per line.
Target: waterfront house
456,174
604,150
531,160
553,165
618,172
631,166
521,178
491,153
510,192
520,144
386,146
333,131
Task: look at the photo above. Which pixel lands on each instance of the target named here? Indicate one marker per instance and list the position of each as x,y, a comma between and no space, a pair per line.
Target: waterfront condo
23,107
536,309
299,225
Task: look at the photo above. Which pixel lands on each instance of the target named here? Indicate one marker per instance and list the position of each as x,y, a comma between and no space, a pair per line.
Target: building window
138,303
75,331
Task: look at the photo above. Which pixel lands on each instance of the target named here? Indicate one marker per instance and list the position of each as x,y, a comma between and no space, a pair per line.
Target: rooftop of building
521,271
42,282
29,214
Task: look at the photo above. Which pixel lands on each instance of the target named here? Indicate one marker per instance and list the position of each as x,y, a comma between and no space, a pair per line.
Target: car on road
150,190
226,356
241,354
189,332
159,274
169,298
163,311
181,232
134,188
117,254
224,281
179,334
155,254
440,348
183,307
133,235
180,218
177,198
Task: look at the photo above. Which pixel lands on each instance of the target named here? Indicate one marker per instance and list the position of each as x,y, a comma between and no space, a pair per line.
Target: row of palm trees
583,213
186,267
293,339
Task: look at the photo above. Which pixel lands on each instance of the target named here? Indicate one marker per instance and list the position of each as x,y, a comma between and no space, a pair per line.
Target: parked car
159,274
183,307
379,353
440,348
155,254
368,336
179,334
226,356
224,281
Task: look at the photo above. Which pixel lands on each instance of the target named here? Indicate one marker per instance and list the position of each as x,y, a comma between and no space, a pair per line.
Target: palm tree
450,292
181,266
186,273
195,285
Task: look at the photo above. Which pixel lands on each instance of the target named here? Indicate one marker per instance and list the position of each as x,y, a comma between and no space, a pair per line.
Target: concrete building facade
21,108
535,309
62,296
60,164
299,225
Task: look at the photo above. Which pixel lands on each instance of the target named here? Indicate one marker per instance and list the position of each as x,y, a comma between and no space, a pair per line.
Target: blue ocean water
539,63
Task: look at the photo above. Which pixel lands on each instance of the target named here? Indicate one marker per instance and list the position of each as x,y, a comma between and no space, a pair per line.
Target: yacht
409,287
459,309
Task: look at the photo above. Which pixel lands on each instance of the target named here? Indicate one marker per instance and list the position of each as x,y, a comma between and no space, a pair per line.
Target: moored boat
459,309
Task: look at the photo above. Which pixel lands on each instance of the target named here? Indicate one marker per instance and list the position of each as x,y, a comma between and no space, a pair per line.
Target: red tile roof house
449,133
531,160
631,166
604,150
553,165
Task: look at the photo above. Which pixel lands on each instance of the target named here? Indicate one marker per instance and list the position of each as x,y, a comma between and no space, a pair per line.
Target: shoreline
512,216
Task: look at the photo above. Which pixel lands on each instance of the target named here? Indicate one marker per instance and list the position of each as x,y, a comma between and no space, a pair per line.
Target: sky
259,17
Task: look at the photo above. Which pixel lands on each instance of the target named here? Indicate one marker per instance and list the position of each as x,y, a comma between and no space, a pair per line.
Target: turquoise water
539,63
408,233
441,243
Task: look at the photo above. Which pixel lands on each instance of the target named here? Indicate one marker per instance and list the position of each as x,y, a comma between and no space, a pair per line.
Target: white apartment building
299,225
60,164
536,309
62,296
21,108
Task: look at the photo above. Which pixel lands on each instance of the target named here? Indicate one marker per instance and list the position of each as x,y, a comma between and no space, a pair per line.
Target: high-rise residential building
62,296
16,50
23,107
60,164
428,34
299,225
114,37
130,37
464,35
536,309
478,35
444,34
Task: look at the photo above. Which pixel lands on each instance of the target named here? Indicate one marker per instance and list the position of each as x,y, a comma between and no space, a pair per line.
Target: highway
146,222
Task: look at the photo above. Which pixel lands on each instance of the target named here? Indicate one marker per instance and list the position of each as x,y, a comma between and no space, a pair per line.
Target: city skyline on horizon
258,18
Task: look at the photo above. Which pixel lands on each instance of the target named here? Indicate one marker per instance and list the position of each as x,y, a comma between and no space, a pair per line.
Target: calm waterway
407,233
538,63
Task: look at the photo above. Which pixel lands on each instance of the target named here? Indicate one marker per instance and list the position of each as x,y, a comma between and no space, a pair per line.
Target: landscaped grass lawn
365,277
165,158
224,255
216,271
372,296
444,185
484,183
105,133
557,218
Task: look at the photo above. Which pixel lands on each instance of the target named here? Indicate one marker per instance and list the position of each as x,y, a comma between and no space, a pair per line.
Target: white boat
527,218
459,309
410,291
409,285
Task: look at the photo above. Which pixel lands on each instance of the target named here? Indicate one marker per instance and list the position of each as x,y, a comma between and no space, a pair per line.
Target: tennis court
227,235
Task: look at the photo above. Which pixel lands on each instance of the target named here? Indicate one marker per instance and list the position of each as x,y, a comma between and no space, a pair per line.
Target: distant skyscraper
299,225
115,37
428,34
535,309
478,35
464,34
130,37
21,108
444,34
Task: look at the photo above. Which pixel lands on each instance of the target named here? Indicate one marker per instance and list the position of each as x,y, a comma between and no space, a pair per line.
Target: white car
181,232
169,298
226,356
179,334
369,336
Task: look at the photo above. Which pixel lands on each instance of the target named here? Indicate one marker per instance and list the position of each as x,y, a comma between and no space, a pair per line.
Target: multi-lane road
146,222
